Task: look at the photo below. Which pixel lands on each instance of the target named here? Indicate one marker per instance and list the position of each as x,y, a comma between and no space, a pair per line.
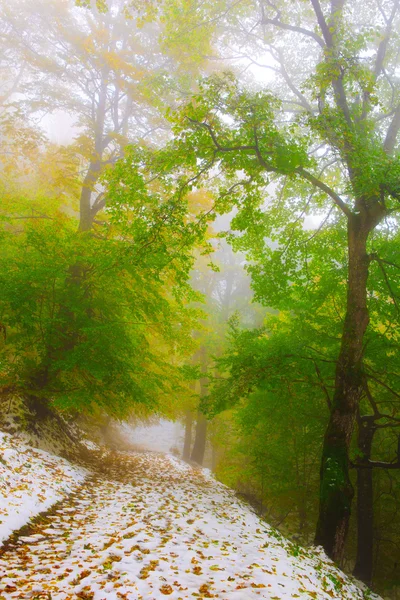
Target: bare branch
288,27
303,100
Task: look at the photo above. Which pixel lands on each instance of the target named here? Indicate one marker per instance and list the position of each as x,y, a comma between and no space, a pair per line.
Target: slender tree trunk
85,209
188,435
365,505
336,490
199,445
214,458
302,511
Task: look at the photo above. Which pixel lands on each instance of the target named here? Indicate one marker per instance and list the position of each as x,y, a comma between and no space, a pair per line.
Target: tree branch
288,27
371,398
215,141
328,398
382,48
376,464
99,204
386,262
299,170
325,188
386,278
328,31
383,384
391,134
303,100
322,23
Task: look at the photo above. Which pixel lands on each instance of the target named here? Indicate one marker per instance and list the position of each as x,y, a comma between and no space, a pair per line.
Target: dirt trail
145,526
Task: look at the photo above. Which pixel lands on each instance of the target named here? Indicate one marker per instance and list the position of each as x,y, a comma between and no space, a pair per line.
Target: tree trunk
365,505
199,445
85,208
214,458
302,512
93,172
188,435
336,490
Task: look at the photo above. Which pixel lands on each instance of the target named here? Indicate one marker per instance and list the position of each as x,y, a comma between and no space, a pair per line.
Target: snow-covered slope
31,480
51,433
146,526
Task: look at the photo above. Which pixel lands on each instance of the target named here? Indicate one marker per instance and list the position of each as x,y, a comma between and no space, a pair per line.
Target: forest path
149,526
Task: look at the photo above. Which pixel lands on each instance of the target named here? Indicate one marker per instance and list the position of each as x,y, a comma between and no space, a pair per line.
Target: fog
199,241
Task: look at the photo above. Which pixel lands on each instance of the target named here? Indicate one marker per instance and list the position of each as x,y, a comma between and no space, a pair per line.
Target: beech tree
115,331
332,152
284,373
101,68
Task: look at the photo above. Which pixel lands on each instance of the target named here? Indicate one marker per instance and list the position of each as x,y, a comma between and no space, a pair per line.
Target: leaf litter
145,526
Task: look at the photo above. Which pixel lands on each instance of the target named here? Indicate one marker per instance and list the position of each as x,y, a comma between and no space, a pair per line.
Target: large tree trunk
199,445
336,490
365,504
188,435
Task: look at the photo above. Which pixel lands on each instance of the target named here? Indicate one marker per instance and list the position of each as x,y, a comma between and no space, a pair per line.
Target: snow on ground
52,433
149,526
31,480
